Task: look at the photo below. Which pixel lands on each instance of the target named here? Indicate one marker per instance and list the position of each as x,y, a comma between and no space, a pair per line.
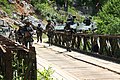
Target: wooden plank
4,51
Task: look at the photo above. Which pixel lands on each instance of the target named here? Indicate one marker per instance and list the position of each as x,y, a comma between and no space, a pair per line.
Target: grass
46,74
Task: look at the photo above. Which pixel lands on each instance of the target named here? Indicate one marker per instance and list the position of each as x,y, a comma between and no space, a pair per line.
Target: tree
109,18
94,4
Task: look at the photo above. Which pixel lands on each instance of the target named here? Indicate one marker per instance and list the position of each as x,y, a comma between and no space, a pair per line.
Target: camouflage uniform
87,21
39,33
20,35
28,32
16,35
50,33
68,38
11,35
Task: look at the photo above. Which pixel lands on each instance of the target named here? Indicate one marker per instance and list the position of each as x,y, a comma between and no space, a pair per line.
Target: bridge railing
107,45
16,62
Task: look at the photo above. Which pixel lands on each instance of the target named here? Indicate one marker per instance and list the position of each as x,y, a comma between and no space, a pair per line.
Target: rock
3,14
11,1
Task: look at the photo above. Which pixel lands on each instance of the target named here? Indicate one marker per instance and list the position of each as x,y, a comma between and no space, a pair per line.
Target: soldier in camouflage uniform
12,35
16,35
39,33
20,35
68,33
50,32
28,32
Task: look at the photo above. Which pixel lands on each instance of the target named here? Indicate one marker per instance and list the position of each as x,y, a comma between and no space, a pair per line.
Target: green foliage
44,36
90,2
109,18
74,12
1,77
45,74
46,8
8,8
33,2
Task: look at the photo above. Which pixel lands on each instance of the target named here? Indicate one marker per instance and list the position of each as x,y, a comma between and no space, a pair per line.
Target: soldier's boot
40,39
69,50
37,38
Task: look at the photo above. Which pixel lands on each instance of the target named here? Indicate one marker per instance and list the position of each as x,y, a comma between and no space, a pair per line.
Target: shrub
109,18
45,74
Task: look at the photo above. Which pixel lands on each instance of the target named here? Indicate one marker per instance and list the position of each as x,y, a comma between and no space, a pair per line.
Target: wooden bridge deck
74,65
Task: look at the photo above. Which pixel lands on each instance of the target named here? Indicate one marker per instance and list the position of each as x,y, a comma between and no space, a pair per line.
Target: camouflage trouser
50,40
68,42
16,38
20,39
28,40
39,37
12,37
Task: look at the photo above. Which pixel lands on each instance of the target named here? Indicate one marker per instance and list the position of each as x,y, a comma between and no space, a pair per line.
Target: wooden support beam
4,51
8,65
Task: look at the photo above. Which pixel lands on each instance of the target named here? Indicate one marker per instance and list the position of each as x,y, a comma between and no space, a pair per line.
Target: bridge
80,64
74,65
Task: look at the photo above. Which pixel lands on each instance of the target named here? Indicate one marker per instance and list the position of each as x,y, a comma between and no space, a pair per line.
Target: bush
45,74
109,18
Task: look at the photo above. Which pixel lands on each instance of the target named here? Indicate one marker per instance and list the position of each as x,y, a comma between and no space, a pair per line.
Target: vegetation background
105,12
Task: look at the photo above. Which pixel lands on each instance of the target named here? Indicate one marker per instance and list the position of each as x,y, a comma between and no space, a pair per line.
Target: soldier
39,33
48,17
20,35
53,18
16,35
70,19
28,32
50,32
68,33
11,35
87,21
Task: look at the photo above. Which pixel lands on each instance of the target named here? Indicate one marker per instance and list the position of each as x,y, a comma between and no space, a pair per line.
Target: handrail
108,45
17,61
4,51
